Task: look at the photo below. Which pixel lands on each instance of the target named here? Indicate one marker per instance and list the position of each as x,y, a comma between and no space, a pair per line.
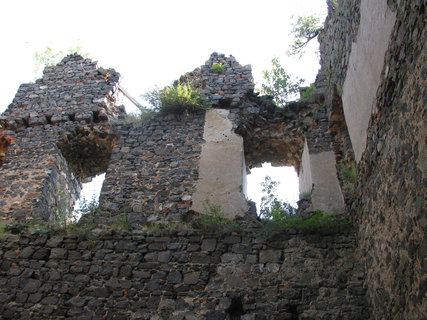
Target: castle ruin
368,110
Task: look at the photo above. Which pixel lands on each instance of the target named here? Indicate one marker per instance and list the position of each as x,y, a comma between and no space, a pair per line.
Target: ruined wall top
73,90
223,89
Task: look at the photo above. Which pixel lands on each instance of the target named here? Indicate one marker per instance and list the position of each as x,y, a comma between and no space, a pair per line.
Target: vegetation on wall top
181,98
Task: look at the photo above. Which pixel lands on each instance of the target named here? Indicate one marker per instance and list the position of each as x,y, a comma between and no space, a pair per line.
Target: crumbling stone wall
57,126
223,89
389,200
391,203
181,275
335,42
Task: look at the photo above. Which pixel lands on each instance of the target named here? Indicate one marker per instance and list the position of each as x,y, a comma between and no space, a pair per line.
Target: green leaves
304,30
182,98
49,56
179,99
278,83
218,67
213,218
280,216
271,207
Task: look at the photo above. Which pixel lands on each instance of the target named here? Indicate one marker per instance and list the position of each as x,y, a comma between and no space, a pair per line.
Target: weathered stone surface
199,286
55,139
58,132
386,200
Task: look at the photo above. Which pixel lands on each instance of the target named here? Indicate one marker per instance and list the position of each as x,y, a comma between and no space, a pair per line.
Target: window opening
89,196
287,189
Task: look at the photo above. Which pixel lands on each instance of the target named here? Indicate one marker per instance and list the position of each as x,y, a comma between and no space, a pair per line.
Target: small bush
218,67
308,93
305,196
280,216
122,222
213,218
182,98
316,222
349,172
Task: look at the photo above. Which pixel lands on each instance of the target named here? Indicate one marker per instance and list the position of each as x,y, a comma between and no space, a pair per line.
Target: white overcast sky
151,42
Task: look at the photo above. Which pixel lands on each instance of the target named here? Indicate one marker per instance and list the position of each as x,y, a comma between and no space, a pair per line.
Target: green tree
271,207
48,56
304,30
278,83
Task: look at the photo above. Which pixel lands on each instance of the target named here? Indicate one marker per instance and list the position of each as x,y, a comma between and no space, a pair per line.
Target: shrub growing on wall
182,98
177,99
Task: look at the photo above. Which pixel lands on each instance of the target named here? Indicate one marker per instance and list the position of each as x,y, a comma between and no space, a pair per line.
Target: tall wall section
152,174
55,136
389,200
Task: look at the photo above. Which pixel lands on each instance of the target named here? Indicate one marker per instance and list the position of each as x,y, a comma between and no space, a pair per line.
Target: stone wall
154,168
181,275
223,89
389,200
56,138
62,130
365,65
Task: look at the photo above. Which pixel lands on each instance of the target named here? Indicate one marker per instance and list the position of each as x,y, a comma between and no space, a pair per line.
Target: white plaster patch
221,166
364,69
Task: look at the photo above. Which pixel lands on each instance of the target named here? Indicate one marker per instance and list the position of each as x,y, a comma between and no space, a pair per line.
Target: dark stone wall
154,168
54,137
181,275
223,89
390,203
73,90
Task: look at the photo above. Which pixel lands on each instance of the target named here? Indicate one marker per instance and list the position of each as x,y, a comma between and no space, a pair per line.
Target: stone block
266,256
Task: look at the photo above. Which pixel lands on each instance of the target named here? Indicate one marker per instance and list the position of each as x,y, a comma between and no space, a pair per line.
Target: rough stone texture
154,167
390,200
198,275
126,276
56,138
73,90
225,89
222,167
339,33
366,63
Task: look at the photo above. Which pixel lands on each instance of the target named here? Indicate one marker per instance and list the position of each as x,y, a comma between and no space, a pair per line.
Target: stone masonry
59,138
182,275
69,126
388,201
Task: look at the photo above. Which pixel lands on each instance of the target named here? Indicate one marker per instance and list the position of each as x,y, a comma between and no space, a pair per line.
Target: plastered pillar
318,176
221,167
